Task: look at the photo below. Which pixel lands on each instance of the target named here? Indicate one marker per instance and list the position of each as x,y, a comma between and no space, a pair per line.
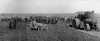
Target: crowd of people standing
83,21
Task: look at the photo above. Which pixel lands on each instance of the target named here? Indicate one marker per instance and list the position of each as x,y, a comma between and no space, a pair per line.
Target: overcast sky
48,6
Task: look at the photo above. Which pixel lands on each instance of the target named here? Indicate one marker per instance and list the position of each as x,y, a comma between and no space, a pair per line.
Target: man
76,23
88,27
12,24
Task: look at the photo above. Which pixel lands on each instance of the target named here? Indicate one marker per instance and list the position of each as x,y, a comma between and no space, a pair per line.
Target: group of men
14,20
83,20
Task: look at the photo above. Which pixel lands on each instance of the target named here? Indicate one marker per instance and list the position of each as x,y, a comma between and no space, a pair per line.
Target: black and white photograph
49,20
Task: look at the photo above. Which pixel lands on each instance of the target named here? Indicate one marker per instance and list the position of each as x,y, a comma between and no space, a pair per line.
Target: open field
56,32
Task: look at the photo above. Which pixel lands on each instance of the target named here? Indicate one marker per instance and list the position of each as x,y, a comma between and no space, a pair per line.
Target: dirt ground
55,32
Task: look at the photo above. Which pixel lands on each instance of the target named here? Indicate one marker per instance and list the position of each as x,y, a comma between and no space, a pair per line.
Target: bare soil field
56,32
